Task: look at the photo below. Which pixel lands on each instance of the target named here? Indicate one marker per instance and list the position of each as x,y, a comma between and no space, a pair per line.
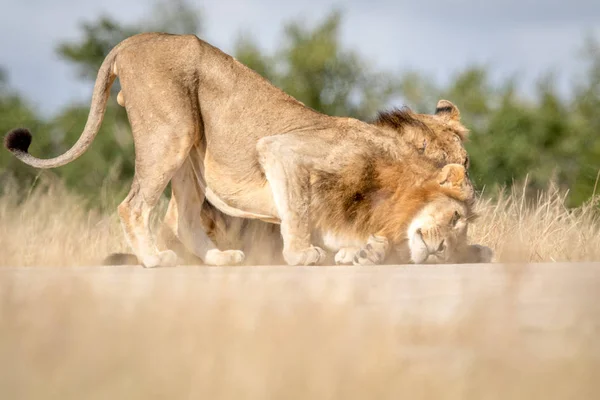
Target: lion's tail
18,140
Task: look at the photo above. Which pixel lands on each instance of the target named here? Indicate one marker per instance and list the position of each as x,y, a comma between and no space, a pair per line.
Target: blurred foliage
314,67
99,37
546,136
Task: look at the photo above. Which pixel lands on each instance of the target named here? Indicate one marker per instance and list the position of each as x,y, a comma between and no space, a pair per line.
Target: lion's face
439,137
438,232
444,138
445,146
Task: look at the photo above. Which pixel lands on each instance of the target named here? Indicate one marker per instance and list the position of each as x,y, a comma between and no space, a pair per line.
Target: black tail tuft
18,140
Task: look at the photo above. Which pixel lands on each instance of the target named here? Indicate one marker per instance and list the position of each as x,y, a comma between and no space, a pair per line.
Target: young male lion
199,117
408,206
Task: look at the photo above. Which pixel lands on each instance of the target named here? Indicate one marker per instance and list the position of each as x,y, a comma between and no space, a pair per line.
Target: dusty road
444,332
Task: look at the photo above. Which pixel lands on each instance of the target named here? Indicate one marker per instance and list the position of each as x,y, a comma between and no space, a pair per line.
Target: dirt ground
423,332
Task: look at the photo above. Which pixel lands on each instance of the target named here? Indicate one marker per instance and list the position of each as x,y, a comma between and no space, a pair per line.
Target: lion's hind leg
162,138
134,212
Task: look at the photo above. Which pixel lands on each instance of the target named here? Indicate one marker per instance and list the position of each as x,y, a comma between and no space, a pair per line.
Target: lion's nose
430,251
418,248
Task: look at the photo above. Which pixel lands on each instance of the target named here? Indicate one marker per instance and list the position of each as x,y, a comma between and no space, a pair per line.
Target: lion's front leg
287,171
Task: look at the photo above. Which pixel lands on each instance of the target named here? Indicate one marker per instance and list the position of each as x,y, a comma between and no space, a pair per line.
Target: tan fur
219,131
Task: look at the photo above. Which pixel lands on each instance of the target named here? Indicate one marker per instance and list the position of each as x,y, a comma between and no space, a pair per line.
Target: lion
376,206
198,115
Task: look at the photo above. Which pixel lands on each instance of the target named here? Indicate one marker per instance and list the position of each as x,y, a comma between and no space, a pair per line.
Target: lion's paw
368,256
373,253
311,256
346,255
167,258
227,257
484,253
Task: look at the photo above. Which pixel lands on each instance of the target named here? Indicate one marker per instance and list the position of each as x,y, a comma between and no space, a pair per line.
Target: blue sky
436,37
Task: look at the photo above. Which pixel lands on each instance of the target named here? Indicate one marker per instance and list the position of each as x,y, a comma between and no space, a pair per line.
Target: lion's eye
442,246
455,218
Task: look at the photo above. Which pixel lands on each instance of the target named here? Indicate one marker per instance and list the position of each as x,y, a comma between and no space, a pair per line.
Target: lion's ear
446,110
452,176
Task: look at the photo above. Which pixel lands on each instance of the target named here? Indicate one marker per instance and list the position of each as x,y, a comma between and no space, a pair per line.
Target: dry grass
540,230
52,227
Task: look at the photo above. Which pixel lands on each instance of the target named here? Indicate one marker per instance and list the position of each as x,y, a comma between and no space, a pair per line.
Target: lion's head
439,137
429,223
439,231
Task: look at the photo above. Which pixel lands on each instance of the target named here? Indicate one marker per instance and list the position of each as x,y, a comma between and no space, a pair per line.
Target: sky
435,37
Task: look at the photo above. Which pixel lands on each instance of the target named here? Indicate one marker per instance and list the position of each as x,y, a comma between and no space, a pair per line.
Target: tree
586,105
313,66
99,37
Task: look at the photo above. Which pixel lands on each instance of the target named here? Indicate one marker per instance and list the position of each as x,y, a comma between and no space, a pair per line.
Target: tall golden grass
539,229
50,226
